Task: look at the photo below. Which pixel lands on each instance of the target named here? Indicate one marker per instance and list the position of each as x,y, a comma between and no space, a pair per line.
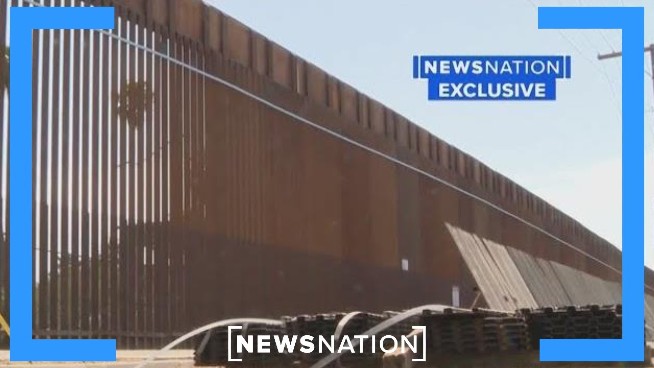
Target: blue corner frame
632,345
23,21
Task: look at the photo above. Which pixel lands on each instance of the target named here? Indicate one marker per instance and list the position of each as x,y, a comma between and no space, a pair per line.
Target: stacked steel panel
211,184
211,348
589,322
325,326
313,325
474,332
401,328
450,334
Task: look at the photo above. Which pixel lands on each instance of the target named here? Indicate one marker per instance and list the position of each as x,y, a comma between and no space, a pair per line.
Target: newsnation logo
488,78
415,343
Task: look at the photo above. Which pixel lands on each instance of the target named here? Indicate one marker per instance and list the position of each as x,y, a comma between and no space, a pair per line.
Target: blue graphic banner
487,78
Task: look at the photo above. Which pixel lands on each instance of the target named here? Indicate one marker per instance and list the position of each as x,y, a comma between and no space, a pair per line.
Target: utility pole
617,54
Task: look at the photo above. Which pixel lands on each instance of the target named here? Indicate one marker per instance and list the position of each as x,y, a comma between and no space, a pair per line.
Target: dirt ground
184,359
125,359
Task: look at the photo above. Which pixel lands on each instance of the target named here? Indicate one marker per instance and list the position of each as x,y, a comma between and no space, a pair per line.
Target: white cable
385,325
361,146
377,328
197,331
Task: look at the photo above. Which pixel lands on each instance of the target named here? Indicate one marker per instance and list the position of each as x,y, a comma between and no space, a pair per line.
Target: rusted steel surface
189,169
584,288
496,289
511,274
510,278
545,287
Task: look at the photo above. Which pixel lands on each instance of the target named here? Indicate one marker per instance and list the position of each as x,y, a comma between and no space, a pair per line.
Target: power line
617,54
614,96
594,63
569,41
355,143
606,40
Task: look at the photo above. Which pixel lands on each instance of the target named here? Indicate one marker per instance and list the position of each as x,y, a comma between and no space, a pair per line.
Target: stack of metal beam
512,332
325,325
589,322
455,332
263,360
449,333
313,325
401,328
211,347
359,324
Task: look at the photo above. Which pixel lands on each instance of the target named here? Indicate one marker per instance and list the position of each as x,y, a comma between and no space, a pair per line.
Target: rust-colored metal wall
248,183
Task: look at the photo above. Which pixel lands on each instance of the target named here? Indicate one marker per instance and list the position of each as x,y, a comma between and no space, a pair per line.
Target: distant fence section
188,169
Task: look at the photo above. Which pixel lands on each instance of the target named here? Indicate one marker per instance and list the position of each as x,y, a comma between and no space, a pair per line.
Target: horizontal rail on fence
283,110
117,200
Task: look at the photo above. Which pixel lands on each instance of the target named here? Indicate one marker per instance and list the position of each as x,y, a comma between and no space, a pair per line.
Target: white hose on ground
321,363
386,324
199,330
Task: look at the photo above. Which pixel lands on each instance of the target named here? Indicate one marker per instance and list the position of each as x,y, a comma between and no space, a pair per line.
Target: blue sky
567,151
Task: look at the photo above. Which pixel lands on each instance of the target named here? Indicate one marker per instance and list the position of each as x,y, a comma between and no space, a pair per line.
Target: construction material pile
590,322
323,326
325,329
450,333
474,332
